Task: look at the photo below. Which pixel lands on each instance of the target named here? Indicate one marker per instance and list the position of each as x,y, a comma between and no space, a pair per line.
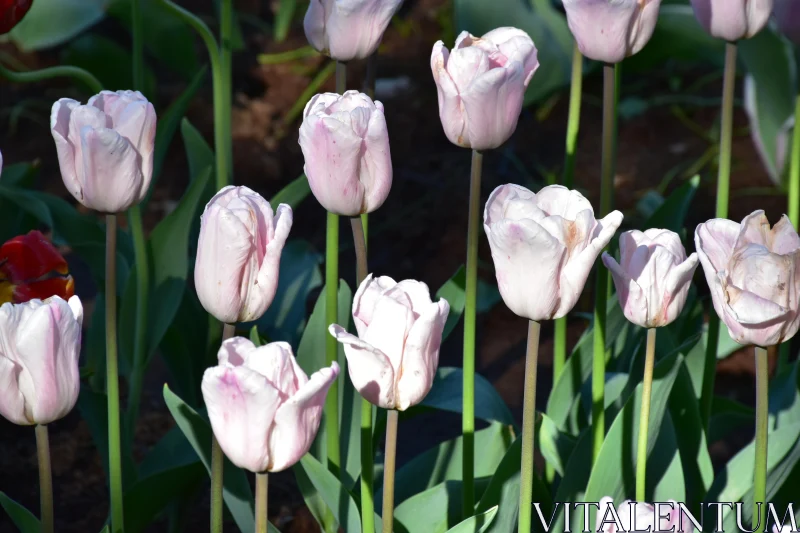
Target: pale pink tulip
105,148
346,148
481,85
640,516
239,254
652,277
544,246
787,16
264,410
732,19
40,342
348,29
754,275
611,30
393,360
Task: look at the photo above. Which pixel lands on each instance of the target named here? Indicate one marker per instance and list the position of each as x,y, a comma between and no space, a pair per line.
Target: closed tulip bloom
611,30
754,275
732,19
652,277
543,246
787,16
345,143
641,516
239,254
264,410
40,342
481,85
105,148
393,360
11,12
348,29
31,268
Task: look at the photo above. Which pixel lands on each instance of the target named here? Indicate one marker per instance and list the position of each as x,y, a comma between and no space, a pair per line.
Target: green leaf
454,291
28,203
333,493
20,174
25,521
150,496
672,213
554,445
293,194
283,19
434,511
476,524
198,152
236,490
52,22
728,415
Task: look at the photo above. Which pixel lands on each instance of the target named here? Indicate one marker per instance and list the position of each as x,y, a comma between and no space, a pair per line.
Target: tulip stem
45,478
226,72
726,131
372,70
794,170
65,71
112,378
644,415
471,300
528,429
574,118
331,346
137,45
762,419
388,471
218,462
710,366
262,498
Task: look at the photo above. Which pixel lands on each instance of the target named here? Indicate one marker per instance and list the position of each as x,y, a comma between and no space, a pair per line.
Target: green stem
372,70
140,326
45,478
226,73
528,429
709,367
794,170
112,378
262,498
218,463
644,415
137,46
331,346
762,418
390,455
726,133
75,73
468,410
573,122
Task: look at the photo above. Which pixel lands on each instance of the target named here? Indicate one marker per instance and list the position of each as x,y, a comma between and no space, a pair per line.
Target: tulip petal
235,351
749,309
369,292
112,177
784,238
391,321
418,293
370,370
631,297
12,402
451,112
258,299
676,287
492,104
59,127
276,362
376,162
561,201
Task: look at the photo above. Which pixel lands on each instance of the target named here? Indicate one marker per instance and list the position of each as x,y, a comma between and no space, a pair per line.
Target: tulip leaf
236,490
476,524
446,395
293,194
434,510
454,291
554,445
52,22
283,19
333,493
25,521
149,496
28,203
671,215
728,415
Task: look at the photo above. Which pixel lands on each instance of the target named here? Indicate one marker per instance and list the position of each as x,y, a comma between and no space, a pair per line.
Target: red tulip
11,12
31,268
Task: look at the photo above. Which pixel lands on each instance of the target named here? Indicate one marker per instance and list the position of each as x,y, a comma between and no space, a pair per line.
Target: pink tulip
544,246
348,29
732,19
640,516
239,254
787,16
40,342
652,277
393,360
105,148
611,30
346,148
481,85
264,410
754,275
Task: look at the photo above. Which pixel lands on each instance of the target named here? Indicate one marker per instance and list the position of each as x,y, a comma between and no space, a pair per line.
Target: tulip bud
641,516
239,254
11,12
40,342
611,30
348,29
393,360
732,19
652,277
264,410
105,148
754,275
787,15
31,268
481,85
543,246
346,148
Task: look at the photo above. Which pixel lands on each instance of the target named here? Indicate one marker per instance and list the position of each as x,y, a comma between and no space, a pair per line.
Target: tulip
346,148
787,16
11,12
640,516
754,275
264,410
31,268
239,253
40,342
393,360
481,85
611,30
544,246
732,19
652,277
105,148
348,29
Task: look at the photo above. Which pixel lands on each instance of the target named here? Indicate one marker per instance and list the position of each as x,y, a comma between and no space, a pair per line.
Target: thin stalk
644,415
137,46
372,70
218,463
262,498
726,133
388,471
112,378
341,77
762,418
45,478
794,170
601,292
331,346
226,72
528,429
66,71
709,367
468,410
